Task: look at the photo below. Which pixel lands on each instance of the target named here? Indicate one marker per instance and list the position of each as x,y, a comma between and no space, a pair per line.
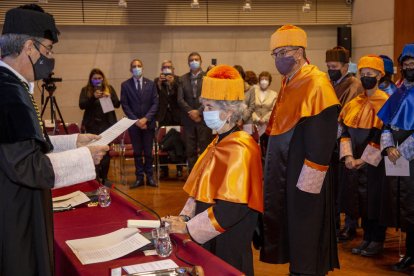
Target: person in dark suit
94,119
169,112
139,100
197,135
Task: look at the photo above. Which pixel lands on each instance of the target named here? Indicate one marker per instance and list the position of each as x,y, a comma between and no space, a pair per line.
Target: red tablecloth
86,222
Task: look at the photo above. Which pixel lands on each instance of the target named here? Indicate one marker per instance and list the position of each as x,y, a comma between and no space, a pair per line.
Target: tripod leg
44,107
60,115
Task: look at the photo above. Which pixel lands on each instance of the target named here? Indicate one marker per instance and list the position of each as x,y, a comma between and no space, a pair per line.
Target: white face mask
137,71
212,119
264,84
167,71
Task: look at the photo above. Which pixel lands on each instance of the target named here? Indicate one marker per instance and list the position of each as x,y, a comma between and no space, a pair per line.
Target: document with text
114,131
107,247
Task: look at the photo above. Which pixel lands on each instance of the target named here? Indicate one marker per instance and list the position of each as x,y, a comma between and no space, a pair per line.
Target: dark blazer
186,99
168,102
94,120
138,105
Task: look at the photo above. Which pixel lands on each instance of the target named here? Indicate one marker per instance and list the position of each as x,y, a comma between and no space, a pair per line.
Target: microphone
162,223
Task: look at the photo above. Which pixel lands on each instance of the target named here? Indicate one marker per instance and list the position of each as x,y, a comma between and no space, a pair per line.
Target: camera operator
169,112
95,120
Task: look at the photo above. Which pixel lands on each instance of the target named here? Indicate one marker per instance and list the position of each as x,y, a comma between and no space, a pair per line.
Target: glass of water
162,241
104,197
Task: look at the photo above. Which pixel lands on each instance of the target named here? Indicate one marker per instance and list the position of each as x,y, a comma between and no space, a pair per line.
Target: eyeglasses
49,48
282,53
408,65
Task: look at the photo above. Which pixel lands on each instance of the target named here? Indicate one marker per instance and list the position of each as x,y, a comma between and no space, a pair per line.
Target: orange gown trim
214,221
230,170
361,112
307,94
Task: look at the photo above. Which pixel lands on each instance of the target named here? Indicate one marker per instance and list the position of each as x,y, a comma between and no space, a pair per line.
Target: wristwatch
185,218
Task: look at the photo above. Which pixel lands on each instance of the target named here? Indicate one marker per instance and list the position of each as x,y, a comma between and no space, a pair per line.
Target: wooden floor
169,198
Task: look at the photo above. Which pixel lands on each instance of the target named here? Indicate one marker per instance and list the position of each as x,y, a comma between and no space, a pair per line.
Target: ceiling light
122,3
247,6
42,1
195,4
306,6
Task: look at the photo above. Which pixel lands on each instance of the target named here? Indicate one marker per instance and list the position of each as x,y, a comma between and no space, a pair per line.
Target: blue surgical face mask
194,65
212,119
137,72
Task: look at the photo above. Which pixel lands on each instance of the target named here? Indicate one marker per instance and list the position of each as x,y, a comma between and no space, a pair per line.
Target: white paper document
114,131
69,200
107,247
106,104
140,223
401,168
151,266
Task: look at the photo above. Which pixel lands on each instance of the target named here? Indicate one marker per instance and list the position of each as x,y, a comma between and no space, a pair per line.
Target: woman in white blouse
265,99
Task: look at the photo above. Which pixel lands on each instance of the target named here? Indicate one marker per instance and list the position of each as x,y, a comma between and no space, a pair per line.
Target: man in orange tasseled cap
299,217
225,186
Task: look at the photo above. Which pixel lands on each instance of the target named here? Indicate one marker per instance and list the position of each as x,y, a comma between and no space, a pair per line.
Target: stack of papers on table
107,247
69,201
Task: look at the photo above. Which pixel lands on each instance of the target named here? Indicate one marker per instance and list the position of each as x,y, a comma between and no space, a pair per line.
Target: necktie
194,86
139,87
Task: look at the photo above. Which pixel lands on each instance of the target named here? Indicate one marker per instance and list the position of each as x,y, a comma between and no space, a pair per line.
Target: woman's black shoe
405,263
362,246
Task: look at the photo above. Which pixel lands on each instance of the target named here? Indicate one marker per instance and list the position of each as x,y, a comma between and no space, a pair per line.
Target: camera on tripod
49,83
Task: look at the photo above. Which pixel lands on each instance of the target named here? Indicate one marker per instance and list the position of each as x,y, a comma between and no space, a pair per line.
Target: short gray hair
237,107
12,44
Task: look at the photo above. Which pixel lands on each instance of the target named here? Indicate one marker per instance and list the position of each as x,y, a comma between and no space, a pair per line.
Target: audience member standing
197,135
265,99
92,98
139,99
168,112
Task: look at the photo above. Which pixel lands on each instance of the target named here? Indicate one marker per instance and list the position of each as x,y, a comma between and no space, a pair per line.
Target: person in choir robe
225,185
359,148
299,216
397,142
31,162
347,87
386,83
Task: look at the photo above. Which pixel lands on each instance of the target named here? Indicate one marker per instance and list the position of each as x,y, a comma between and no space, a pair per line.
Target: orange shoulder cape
361,112
307,94
230,170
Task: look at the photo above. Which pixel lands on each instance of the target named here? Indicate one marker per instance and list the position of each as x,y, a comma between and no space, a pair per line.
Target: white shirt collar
30,84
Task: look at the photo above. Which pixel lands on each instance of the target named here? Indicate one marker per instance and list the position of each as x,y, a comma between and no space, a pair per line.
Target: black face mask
408,74
334,75
368,82
43,66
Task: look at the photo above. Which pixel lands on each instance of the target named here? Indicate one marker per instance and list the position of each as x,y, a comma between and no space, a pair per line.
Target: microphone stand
162,223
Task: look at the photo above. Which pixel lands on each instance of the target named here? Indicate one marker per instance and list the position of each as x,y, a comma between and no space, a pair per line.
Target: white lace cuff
372,154
189,208
339,131
407,148
345,148
72,166
204,227
63,142
386,140
311,177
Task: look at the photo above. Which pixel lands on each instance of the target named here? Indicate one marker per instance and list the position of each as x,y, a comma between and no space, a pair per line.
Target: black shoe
405,263
357,250
151,182
347,234
373,249
138,183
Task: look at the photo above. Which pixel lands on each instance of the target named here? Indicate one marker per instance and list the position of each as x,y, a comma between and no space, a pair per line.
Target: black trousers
409,243
103,167
142,140
196,137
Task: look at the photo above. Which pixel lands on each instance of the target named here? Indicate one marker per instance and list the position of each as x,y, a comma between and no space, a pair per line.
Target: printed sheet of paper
151,266
106,104
114,131
72,199
107,247
401,168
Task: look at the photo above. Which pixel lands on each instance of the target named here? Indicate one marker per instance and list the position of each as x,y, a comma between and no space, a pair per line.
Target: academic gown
299,216
26,177
361,139
225,188
397,115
